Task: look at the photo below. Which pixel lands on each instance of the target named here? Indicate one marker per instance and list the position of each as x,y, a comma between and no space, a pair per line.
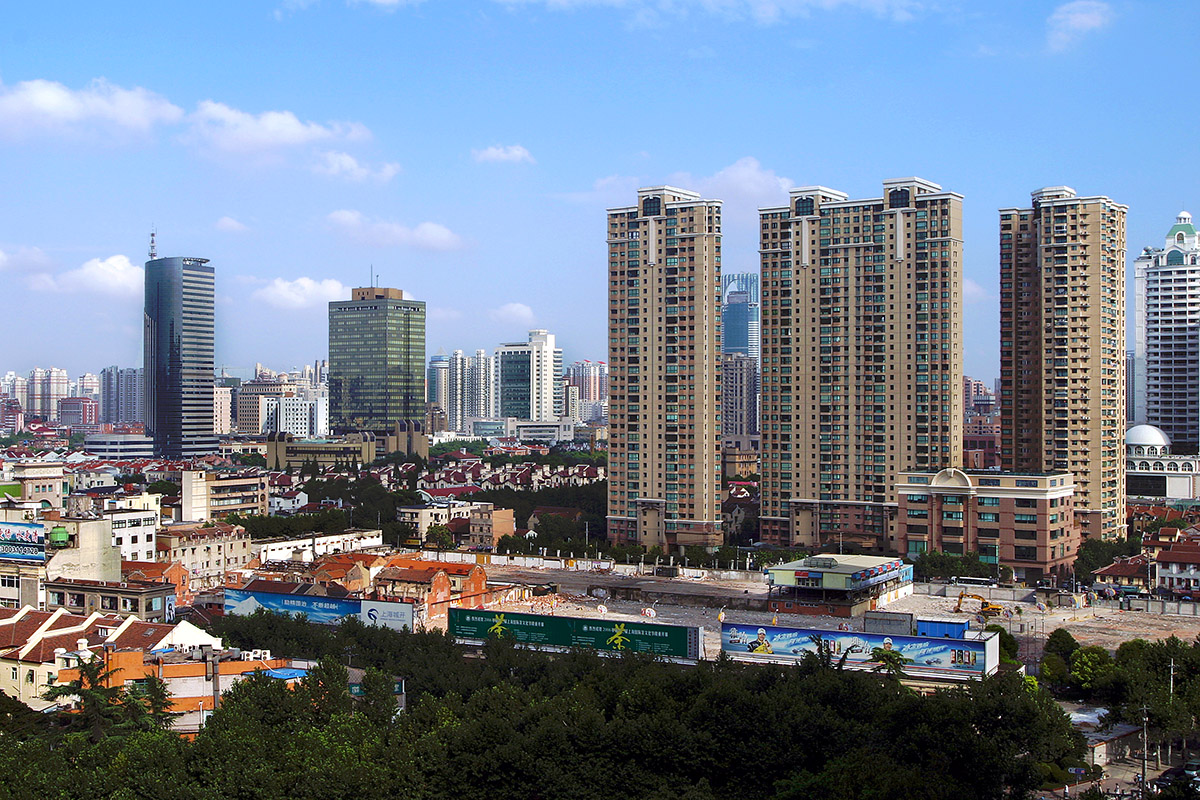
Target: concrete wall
587,565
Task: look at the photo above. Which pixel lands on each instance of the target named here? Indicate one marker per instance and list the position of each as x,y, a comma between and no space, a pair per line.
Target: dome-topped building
1145,436
1152,472
1166,367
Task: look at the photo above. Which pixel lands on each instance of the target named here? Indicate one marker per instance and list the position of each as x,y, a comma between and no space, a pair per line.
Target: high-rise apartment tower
1062,348
664,334
1166,382
861,356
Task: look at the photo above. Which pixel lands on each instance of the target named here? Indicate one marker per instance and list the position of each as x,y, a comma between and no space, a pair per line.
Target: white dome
1183,218
1146,436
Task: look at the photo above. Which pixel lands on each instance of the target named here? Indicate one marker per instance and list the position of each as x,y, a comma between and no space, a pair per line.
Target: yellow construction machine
986,607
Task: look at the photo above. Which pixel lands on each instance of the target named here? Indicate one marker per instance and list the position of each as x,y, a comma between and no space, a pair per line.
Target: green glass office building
376,362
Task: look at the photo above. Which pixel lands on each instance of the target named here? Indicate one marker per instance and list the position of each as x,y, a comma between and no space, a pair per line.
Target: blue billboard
22,541
921,655
326,610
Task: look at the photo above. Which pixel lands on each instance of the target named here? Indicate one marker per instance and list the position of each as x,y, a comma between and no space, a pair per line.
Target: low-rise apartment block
1022,520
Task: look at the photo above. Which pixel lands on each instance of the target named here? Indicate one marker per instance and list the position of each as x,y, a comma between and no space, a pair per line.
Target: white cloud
229,225
115,276
385,4
1070,22
23,258
381,233
344,165
301,293
765,12
41,106
512,314
744,183
974,292
232,130
512,154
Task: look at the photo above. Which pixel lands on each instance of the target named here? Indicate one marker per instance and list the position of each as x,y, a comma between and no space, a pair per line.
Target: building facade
527,379
739,397
862,357
1062,348
179,329
1023,521
1166,378
122,393
376,361
218,493
664,327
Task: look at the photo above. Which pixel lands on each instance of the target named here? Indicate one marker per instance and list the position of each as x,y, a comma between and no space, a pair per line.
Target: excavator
986,607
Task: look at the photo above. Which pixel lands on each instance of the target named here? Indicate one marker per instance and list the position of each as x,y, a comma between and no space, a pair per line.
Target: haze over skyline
466,152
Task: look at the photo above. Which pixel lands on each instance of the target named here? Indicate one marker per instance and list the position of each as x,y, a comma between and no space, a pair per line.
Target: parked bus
963,580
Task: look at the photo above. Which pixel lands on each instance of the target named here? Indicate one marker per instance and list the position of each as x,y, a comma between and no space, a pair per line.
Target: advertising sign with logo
675,641
398,616
22,541
920,654
327,610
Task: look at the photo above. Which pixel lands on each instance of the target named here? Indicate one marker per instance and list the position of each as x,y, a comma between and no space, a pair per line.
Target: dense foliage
1097,553
518,724
935,564
1140,675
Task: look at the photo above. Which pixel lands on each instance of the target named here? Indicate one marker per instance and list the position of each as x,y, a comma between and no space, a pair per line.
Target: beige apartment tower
664,344
861,357
1062,348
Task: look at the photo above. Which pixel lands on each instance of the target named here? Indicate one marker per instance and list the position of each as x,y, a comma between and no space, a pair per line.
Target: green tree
439,536
891,662
168,488
1089,666
1061,643
1008,643
102,709
378,703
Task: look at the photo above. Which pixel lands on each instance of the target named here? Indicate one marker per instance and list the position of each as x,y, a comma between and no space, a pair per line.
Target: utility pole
1145,747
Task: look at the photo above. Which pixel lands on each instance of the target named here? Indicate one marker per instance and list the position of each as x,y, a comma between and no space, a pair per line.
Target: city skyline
302,184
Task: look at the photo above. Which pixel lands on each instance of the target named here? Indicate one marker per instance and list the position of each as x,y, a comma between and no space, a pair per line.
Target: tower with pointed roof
1166,377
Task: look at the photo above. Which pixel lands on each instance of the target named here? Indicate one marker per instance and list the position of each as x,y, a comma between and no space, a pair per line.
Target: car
1192,767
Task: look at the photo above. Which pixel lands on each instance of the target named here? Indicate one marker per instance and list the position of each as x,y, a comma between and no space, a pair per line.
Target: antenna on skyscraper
153,250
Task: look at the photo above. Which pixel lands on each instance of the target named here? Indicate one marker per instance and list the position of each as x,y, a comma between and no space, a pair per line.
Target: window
988,501
989,516
9,581
108,602
1025,518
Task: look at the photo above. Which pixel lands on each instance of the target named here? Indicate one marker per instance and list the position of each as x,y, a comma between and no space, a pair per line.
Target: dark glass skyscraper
740,320
376,361
178,356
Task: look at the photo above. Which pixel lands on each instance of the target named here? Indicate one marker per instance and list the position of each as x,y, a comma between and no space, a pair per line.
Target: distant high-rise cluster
519,380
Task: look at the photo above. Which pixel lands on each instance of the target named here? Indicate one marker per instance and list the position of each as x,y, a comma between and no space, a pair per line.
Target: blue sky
467,150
